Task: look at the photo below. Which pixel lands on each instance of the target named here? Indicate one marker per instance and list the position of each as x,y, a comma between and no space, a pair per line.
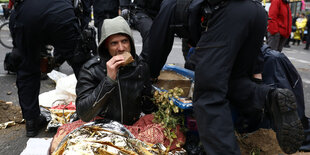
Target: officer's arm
92,98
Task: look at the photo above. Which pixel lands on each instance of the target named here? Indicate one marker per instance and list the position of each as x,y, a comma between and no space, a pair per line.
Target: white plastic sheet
63,93
37,146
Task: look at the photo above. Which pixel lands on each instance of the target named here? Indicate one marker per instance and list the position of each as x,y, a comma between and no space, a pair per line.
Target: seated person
106,86
109,88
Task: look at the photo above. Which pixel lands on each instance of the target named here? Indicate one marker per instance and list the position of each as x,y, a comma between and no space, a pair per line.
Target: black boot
285,121
306,144
33,126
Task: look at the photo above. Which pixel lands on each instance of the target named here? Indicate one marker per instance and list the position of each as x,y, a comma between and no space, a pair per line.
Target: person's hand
113,64
258,76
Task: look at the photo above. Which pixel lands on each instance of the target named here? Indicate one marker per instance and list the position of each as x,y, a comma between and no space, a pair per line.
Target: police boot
282,106
306,144
34,125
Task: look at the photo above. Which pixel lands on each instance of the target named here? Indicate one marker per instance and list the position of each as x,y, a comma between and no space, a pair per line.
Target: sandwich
128,58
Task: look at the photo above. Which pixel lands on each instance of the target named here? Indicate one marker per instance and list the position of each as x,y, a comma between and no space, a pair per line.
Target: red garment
144,129
281,18
11,3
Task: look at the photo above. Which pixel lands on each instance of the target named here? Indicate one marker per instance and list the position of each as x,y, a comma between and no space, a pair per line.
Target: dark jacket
122,100
281,73
102,7
150,6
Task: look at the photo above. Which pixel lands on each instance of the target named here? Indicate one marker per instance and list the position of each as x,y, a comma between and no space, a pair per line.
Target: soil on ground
10,112
260,142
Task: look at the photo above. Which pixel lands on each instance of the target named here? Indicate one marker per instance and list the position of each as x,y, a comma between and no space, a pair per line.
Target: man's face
118,44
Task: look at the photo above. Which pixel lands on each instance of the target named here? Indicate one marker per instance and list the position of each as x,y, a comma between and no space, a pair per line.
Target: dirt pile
262,142
10,112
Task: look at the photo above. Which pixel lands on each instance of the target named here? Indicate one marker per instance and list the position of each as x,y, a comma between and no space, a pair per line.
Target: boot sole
288,127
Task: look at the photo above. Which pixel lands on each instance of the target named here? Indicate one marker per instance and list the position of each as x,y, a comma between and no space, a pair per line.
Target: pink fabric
144,129
303,5
66,107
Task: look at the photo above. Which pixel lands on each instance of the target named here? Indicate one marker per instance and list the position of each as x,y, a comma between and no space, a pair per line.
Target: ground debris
10,112
260,142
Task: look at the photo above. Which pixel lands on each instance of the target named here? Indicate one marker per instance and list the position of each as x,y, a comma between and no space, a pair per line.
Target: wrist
111,80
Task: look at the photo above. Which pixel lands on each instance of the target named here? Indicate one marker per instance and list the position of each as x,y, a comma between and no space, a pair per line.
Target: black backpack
11,61
8,63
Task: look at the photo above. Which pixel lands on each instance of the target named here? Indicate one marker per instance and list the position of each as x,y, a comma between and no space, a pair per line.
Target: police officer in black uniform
144,13
227,35
106,9
37,24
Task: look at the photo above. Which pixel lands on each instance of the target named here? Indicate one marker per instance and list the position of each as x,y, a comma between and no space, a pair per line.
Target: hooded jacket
121,100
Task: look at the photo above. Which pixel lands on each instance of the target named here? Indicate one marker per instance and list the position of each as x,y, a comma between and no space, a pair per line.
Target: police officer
227,41
144,13
37,24
106,9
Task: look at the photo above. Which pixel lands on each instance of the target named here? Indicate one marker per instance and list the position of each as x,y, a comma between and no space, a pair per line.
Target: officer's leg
248,98
28,77
28,91
218,50
160,38
143,24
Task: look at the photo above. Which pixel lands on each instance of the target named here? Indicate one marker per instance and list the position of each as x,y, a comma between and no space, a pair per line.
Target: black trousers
226,54
225,57
104,9
143,23
34,28
159,41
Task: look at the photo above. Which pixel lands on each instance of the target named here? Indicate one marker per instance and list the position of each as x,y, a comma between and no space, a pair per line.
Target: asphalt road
15,141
